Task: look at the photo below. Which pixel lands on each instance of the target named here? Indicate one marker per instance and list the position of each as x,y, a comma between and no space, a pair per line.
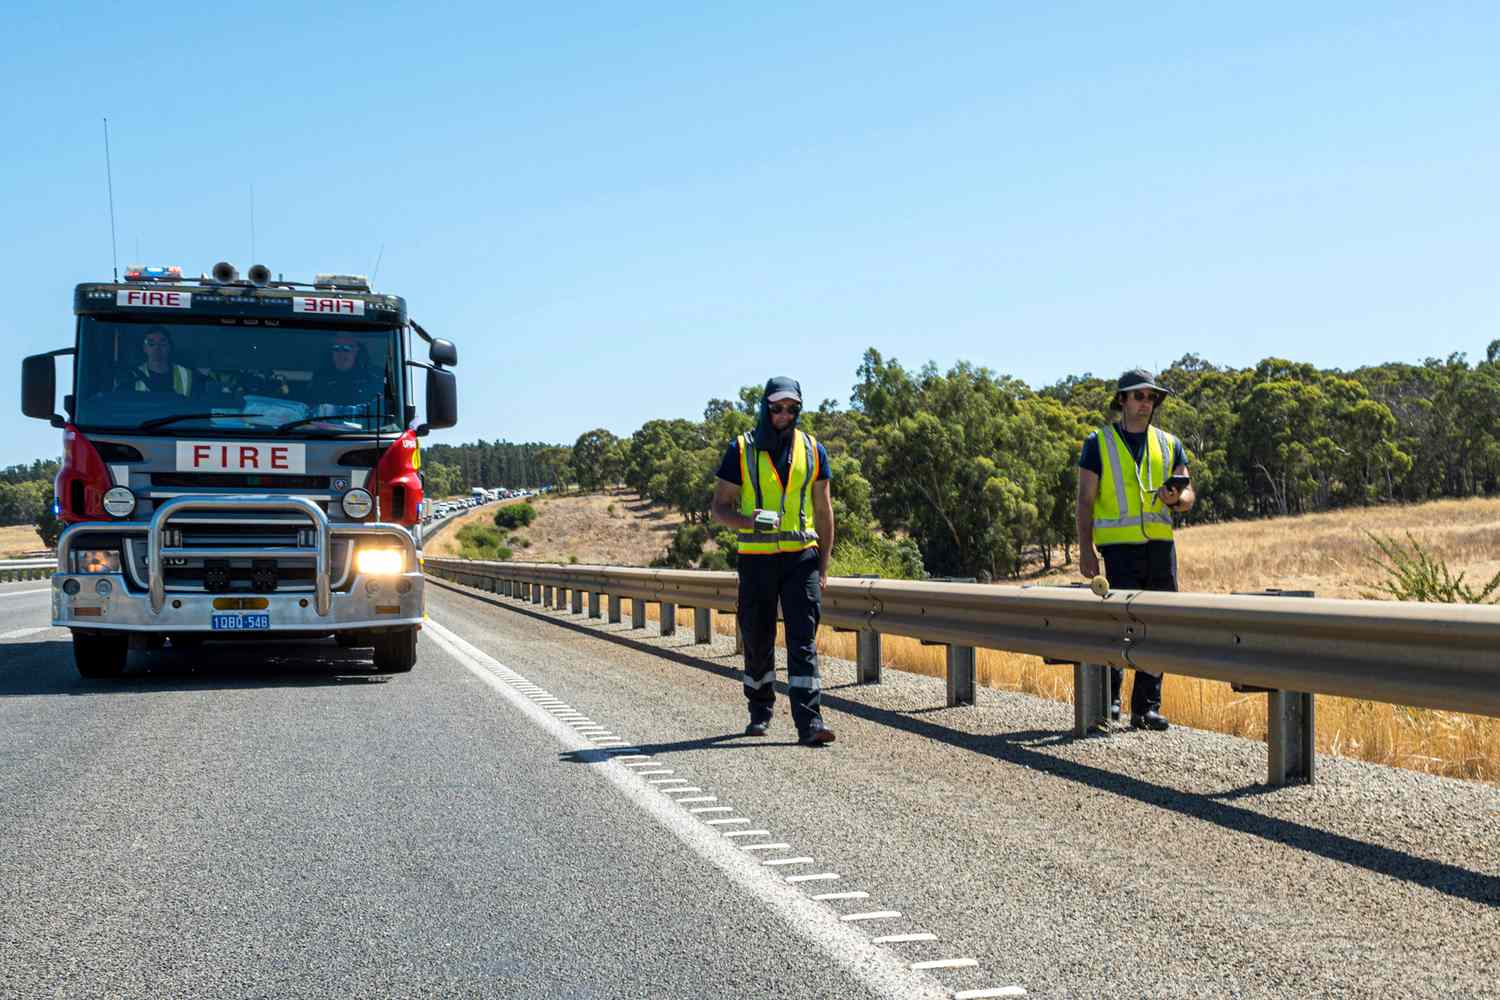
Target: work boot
817,736
757,728
1151,720
1114,710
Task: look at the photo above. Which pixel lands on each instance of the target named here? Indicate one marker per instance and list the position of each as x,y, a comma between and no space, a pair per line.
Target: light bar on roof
142,272
348,282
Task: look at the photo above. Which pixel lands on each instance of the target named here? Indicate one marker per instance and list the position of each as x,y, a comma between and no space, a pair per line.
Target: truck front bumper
121,610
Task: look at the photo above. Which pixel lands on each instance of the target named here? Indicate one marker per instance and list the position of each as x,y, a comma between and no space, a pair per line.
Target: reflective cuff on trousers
751,682
805,683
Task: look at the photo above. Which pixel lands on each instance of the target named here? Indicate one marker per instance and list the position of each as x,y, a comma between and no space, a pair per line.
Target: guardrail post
594,604
1290,722
668,618
960,675
637,613
614,608
1091,696
1289,737
577,601
560,598
703,625
540,594
867,658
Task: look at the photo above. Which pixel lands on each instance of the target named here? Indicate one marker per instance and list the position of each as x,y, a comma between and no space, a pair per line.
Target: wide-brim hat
1137,378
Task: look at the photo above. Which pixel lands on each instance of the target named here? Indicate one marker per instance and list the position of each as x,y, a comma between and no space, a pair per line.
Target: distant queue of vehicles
436,510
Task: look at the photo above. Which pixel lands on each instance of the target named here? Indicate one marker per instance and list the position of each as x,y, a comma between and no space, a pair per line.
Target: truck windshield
237,377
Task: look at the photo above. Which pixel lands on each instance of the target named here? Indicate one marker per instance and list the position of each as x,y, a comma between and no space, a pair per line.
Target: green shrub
717,560
476,541
892,559
517,515
1414,574
685,548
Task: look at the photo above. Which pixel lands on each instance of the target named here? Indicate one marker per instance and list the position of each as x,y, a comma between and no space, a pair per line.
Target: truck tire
100,656
396,652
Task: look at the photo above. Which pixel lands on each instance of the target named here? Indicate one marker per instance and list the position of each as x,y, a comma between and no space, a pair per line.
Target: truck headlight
358,503
96,561
379,562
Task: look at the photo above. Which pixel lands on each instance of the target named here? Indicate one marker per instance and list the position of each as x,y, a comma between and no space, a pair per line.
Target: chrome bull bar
320,553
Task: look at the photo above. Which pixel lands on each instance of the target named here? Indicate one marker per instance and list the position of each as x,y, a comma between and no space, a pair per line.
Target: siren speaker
259,274
224,271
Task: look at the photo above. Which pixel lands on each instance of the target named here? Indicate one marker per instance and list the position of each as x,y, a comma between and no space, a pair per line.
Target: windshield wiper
151,425
290,424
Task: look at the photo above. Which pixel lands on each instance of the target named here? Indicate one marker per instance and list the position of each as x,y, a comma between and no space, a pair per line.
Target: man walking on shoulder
774,490
1131,475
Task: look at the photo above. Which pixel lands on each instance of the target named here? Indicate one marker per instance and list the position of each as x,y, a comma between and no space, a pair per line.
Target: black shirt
1093,460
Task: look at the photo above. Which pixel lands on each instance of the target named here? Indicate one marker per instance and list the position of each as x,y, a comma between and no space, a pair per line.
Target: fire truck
240,461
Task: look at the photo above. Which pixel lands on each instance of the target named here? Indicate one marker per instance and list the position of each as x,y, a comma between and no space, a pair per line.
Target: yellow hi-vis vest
761,488
182,380
1127,510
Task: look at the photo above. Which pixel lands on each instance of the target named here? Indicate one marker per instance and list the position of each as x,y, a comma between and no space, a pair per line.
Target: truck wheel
100,656
396,652
351,640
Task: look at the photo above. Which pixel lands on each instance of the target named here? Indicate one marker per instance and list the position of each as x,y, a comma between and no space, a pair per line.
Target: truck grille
210,530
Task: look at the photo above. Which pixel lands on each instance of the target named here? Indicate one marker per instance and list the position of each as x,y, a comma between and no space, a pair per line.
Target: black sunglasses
791,408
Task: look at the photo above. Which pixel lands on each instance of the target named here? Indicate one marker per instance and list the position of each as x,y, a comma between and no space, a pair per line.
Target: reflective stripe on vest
761,489
1126,509
182,380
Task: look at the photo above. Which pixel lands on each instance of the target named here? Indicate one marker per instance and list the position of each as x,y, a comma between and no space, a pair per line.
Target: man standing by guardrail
774,488
1131,475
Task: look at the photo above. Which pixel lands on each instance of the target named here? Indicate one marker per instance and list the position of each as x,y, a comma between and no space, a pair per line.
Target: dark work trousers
790,578
1149,566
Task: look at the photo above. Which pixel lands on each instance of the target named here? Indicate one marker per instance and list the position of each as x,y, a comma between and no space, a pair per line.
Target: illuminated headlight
358,504
96,561
119,502
379,562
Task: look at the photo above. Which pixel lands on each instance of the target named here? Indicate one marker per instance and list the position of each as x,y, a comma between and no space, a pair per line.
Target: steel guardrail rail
27,569
1438,656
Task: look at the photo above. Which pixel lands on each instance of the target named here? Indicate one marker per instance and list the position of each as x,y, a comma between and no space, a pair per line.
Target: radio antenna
378,258
109,176
252,223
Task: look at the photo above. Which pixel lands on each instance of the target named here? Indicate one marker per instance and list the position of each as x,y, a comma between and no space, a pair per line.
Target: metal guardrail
27,569
1441,656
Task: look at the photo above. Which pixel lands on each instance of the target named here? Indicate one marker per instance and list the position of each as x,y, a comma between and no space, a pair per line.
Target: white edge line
998,991
880,971
945,963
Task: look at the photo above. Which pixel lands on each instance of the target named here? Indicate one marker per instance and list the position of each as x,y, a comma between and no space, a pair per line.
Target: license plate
241,621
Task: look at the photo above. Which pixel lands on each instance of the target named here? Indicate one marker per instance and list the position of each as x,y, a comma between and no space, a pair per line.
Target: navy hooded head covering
767,437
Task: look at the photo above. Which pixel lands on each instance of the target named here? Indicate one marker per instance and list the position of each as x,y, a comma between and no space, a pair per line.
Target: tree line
976,472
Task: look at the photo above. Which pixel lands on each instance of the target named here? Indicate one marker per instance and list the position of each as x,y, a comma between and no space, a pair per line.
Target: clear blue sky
620,210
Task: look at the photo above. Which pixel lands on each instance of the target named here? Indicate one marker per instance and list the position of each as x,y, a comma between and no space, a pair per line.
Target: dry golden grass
1327,553
19,539
581,529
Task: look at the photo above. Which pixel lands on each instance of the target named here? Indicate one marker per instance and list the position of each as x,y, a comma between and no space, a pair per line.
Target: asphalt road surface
550,806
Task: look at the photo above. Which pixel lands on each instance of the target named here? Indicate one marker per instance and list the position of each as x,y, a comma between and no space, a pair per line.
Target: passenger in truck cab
348,379
157,373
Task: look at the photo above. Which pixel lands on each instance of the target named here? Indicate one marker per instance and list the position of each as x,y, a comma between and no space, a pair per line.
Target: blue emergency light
140,272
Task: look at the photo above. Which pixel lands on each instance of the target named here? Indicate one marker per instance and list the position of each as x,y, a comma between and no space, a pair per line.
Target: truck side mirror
442,400
39,388
442,352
